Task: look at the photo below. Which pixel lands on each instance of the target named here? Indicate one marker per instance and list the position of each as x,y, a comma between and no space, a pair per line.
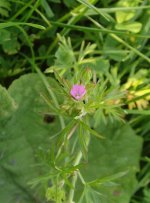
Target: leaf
90,195
92,7
4,36
93,132
64,55
127,45
134,27
83,141
100,65
4,8
55,1
7,104
9,41
63,134
126,15
24,133
146,195
47,8
113,50
11,24
11,46
123,16
134,111
70,4
119,152
108,178
85,50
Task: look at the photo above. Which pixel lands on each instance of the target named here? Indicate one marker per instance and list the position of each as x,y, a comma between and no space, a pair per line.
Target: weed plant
74,101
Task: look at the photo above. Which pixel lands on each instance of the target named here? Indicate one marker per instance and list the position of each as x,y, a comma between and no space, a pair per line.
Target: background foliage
111,38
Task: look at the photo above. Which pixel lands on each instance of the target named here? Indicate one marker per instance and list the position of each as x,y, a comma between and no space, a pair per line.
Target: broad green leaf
123,16
21,137
119,152
134,27
7,104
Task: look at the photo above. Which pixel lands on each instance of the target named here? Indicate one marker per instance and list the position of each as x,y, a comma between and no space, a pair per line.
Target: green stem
74,179
76,173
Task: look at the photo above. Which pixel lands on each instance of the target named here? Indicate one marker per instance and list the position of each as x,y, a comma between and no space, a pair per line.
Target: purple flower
78,91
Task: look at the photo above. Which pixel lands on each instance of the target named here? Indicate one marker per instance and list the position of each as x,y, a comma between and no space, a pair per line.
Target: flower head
78,91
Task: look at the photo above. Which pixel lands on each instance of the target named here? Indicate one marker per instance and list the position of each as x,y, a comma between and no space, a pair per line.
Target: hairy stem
74,179
76,173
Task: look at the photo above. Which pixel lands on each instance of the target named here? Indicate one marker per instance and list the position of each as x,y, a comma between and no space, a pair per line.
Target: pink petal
78,91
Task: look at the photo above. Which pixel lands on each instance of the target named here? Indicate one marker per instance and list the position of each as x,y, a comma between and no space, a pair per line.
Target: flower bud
78,91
